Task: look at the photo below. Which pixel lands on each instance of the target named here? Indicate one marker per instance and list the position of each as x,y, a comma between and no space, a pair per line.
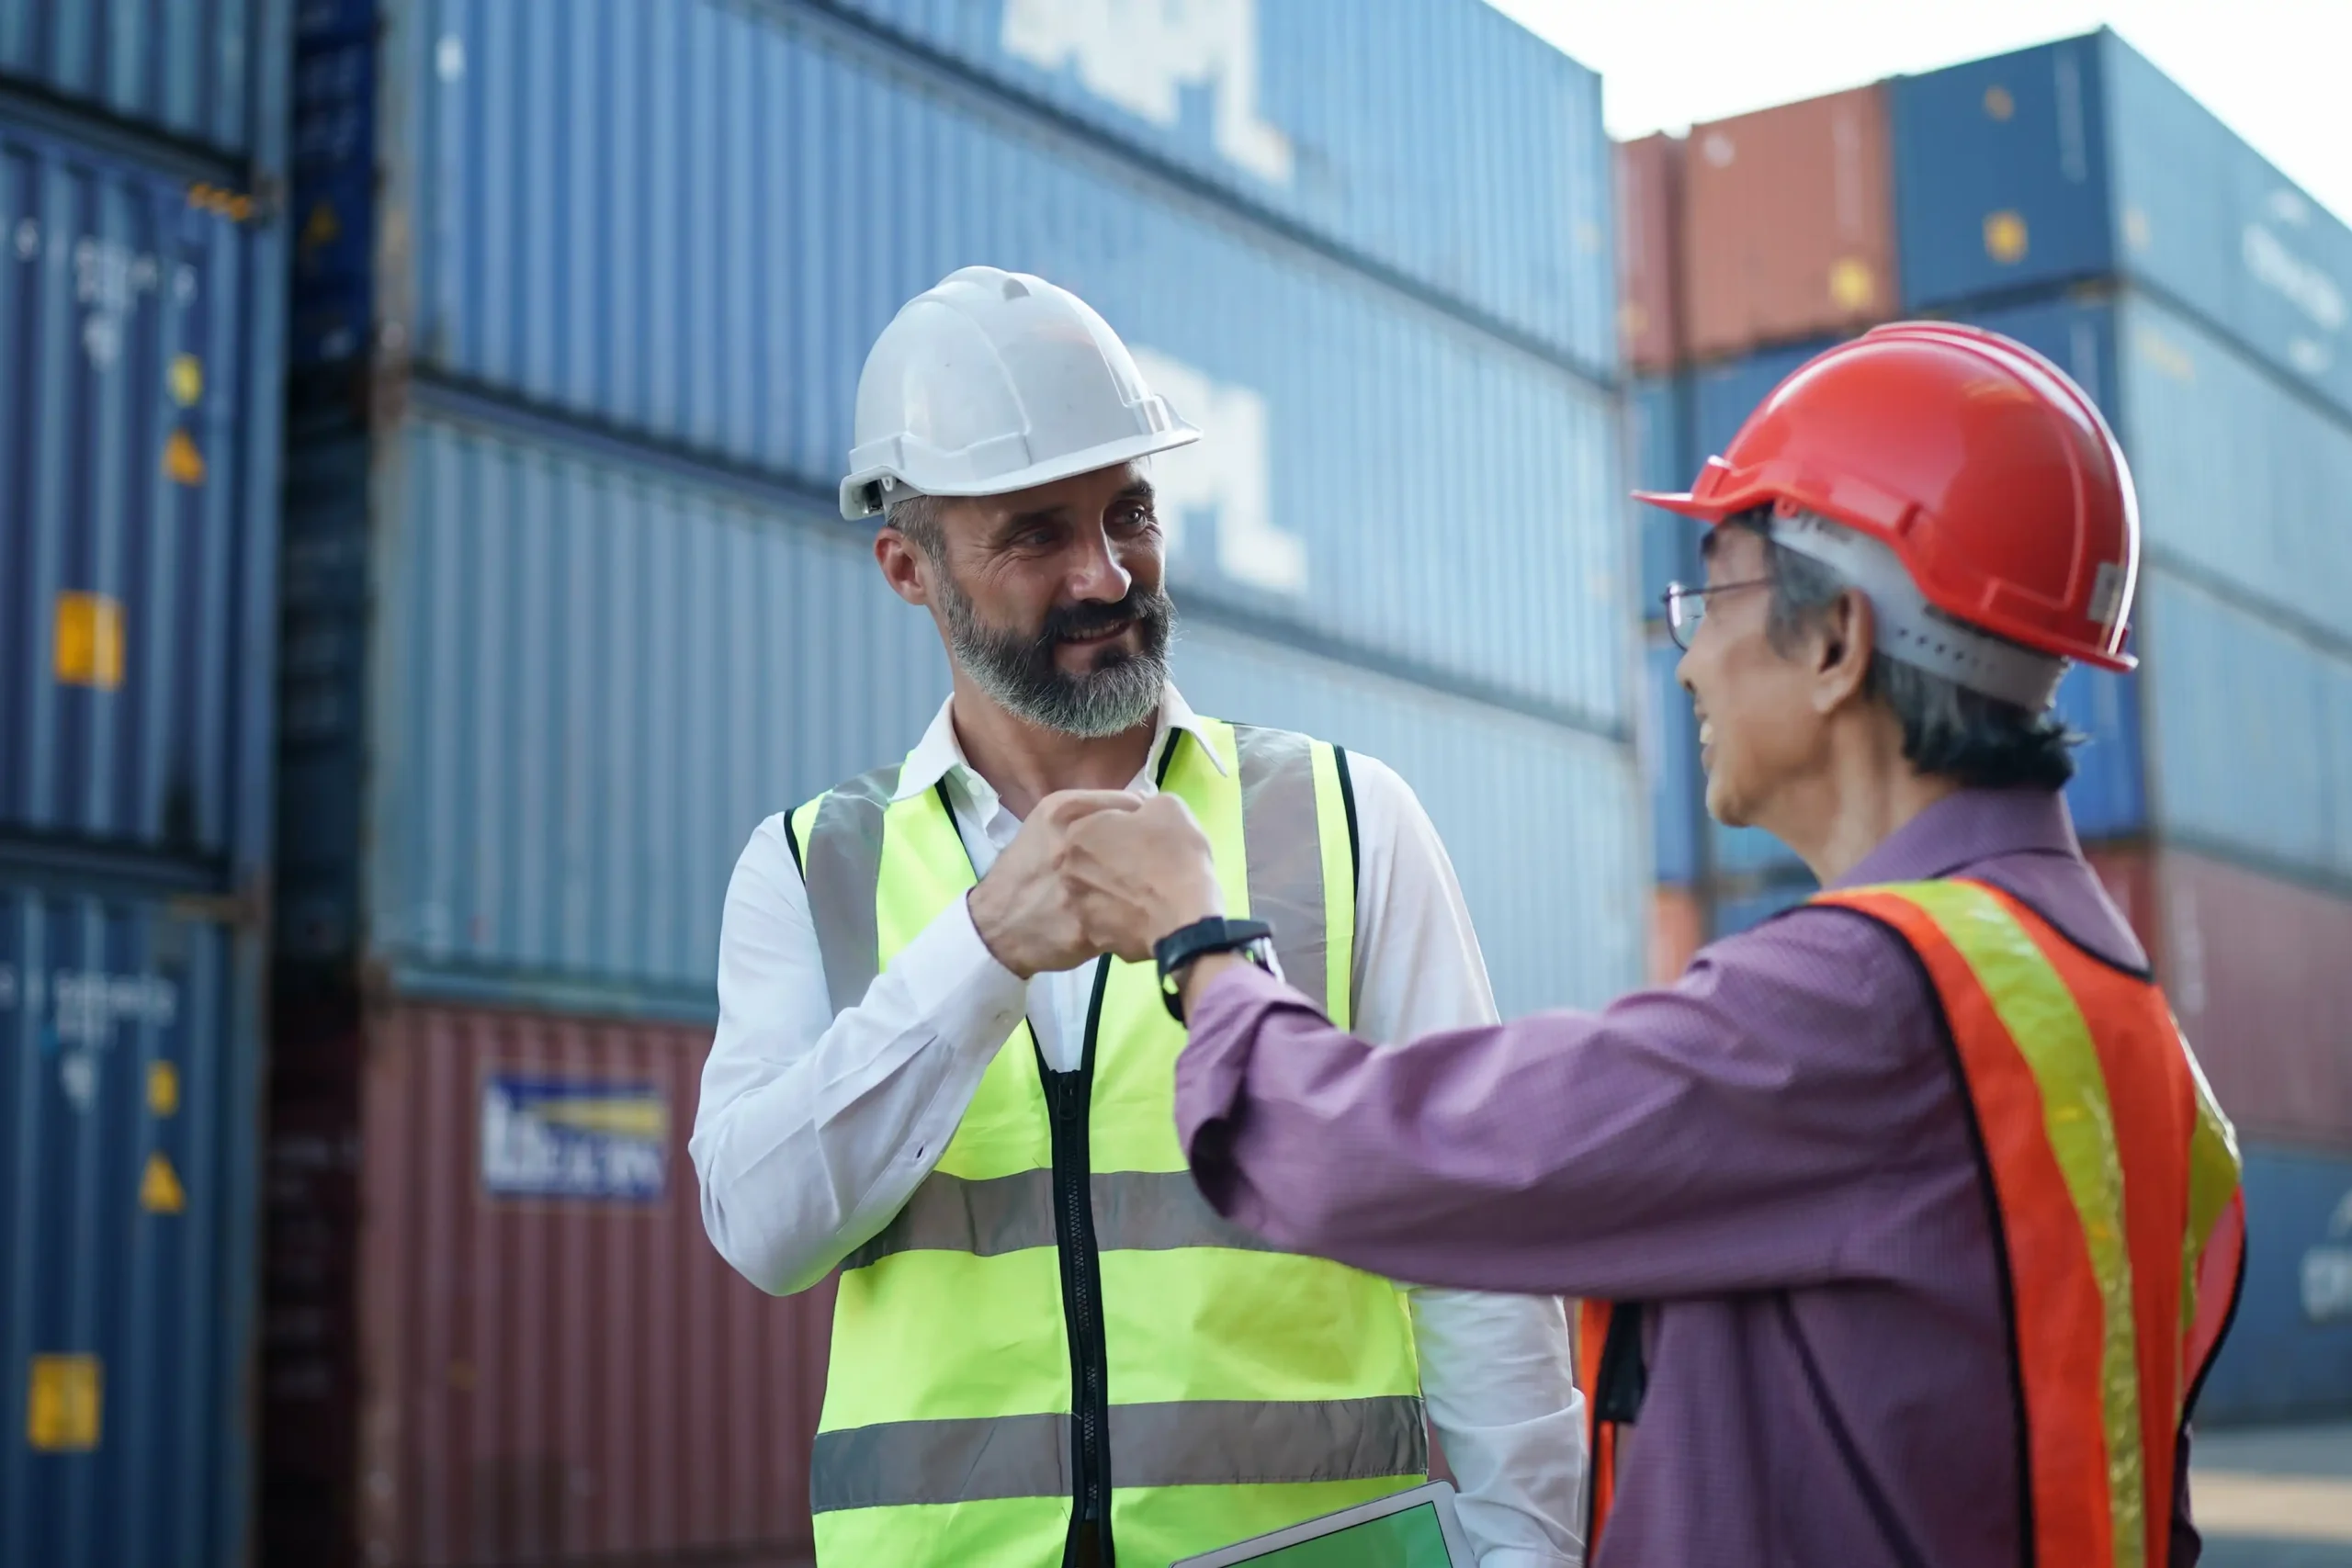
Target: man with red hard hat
1904,1222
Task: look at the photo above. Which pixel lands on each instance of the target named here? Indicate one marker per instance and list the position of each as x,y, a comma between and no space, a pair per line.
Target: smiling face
1761,729
1049,599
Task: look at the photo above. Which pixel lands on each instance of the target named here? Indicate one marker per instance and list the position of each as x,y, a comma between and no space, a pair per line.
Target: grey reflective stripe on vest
1279,832
842,866
1134,1211
1219,1442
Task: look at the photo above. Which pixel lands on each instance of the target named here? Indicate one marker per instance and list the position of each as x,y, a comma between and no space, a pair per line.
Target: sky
2279,71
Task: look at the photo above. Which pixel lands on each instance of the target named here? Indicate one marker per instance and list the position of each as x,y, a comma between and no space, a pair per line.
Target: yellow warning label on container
185,379
63,1414
163,1088
322,228
1998,105
159,1190
182,464
89,648
1852,285
2005,237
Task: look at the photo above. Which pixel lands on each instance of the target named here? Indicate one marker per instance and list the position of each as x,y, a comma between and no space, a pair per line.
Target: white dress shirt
814,1129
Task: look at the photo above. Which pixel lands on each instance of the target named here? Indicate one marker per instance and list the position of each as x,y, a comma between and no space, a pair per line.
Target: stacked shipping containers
142,289
581,296
2073,198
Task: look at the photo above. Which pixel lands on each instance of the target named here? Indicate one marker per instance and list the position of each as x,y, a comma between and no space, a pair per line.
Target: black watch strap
1180,947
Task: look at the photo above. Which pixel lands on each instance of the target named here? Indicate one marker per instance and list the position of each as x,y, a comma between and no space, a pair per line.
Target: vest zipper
1068,1098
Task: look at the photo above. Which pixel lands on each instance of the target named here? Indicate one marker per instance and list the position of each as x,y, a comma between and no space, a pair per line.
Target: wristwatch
1215,934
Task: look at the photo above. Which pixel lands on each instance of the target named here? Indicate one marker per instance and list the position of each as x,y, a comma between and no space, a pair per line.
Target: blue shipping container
1436,139
1670,768
590,679
127,1212
139,431
2251,732
1658,413
1541,822
2078,160
213,73
665,216
2289,1355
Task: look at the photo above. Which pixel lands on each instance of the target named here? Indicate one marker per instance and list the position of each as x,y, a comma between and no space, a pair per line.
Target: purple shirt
1774,1154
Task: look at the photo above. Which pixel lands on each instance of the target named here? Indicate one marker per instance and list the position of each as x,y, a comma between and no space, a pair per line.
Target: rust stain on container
524,1351
1790,224
1649,252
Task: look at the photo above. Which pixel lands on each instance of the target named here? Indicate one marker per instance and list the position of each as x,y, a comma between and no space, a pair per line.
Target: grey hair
917,517
1979,742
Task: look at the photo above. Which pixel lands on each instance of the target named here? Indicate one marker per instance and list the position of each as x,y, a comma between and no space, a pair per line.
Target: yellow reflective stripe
1215,800
2214,1171
2038,1008
1339,890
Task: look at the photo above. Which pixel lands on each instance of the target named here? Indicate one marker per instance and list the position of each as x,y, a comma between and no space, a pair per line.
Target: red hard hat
1985,468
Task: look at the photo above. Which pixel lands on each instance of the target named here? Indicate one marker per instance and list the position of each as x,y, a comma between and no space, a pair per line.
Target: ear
904,567
1849,638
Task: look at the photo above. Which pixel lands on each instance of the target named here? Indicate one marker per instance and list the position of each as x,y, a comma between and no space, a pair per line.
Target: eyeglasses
1686,607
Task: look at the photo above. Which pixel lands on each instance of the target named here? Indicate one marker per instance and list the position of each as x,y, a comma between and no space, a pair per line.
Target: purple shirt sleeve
1733,1132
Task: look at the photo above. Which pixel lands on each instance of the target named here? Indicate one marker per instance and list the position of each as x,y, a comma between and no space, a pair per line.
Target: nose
1095,572
1683,675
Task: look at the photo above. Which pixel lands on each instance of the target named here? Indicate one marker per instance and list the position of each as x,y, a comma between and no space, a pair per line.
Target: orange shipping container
1678,927
497,1334
1788,224
1649,252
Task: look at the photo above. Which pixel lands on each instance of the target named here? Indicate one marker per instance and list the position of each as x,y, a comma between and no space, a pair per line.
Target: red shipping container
1788,224
2259,973
1649,252
498,1335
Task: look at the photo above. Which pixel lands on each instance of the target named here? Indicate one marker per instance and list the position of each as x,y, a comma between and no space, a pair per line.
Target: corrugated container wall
2289,1355
2255,967
138,485
1657,414
1790,223
590,679
1649,253
1541,822
2080,159
126,1232
210,74
1433,140
534,1354
599,198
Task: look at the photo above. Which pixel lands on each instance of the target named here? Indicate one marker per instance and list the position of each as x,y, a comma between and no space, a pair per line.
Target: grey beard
1019,674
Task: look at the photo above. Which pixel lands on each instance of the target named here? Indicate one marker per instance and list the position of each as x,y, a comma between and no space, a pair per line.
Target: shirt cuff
955,985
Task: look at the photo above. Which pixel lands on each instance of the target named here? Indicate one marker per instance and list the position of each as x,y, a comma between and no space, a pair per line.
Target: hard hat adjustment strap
1913,632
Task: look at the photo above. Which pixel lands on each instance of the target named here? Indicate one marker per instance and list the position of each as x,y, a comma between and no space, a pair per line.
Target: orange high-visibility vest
2112,1181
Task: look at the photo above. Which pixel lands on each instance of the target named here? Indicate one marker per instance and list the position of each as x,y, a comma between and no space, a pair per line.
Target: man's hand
1134,876
1021,907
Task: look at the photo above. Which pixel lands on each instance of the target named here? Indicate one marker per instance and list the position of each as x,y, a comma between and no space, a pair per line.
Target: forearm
1663,1147
1496,1373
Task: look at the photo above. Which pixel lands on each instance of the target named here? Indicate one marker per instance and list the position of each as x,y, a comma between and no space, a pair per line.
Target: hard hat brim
856,506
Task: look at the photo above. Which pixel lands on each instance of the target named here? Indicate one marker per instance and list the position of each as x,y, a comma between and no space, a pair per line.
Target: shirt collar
1965,828
939,754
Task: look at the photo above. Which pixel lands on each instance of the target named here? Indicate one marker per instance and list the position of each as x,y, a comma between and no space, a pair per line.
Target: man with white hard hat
930,1076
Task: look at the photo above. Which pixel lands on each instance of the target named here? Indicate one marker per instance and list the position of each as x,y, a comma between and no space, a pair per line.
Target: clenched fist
1022,908
1134,876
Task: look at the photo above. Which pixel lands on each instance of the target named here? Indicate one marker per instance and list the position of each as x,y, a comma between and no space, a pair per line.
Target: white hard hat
992,382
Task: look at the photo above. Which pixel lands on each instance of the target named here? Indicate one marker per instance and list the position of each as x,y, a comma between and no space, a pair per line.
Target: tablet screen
1411,1537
